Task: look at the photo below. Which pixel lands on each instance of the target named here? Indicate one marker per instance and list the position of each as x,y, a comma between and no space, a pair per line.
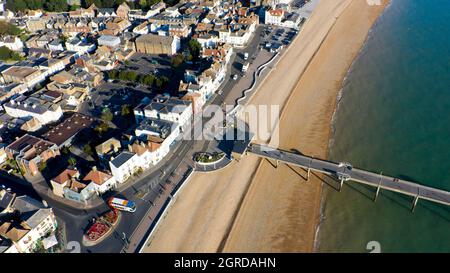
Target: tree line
8,55
62,6
131,76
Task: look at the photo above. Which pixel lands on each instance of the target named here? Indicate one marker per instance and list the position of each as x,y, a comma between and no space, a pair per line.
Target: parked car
235,77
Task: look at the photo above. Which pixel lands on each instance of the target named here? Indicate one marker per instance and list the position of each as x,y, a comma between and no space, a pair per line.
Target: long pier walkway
344,172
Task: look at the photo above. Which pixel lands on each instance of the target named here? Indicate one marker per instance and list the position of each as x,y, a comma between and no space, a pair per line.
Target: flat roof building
156,44
63,133
32,107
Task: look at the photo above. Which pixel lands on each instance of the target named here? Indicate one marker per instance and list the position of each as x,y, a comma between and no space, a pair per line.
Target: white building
13,43
172,12
106,13
208,40
36,221
124,166
166,108
23,74
238,38
27,107
142,29
67,185
157,137
79,46
108,40
273,16
56,45
52,66
102,181
281,18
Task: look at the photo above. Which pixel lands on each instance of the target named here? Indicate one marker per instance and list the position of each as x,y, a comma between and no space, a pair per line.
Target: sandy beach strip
250,206
281,210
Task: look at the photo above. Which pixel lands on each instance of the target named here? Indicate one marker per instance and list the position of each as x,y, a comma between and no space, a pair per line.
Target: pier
344,172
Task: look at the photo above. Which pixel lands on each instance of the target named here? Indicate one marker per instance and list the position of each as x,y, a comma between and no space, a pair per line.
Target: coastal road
78,220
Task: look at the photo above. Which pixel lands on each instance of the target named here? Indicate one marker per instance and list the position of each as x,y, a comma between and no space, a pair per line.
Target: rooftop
97,177
31,104
20,71
68,128
153,38
27,142
121,159
158,127
65,176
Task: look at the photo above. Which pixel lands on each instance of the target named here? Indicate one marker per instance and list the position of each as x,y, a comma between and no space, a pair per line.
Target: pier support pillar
342,184
309,172
416,199
276,164
377,192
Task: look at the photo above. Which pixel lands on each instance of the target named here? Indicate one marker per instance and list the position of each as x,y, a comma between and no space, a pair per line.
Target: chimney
94,168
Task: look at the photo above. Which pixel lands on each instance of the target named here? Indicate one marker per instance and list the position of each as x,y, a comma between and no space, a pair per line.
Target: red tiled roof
276,12
97,177
65,176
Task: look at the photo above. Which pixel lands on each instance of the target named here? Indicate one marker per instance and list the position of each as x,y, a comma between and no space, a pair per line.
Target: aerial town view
224,126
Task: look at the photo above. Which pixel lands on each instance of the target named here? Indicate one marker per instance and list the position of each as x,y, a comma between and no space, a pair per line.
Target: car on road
235,77
245,67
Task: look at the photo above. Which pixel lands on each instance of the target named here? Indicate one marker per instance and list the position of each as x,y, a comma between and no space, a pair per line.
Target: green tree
143,3
131,76
9,29
112,74
56,5
123,76
72,161
126,110
65,150
177,60
74,7
194,49
107,115
34,4
16,5
87,149
102,128
8,55
148,80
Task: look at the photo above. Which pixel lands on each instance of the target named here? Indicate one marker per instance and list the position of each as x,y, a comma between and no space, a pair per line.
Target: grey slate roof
26,204
6,199
121,159
33,219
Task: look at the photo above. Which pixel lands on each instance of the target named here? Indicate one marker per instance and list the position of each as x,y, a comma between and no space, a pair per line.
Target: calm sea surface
394,117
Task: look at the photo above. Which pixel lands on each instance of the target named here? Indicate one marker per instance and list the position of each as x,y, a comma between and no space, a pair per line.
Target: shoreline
386,4
315,67
219,210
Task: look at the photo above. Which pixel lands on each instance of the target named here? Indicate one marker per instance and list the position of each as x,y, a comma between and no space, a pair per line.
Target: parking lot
112,95
275,38
148,64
